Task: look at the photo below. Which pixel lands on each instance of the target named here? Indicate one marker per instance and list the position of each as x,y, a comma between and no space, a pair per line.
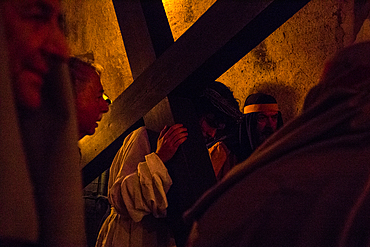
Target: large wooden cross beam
183,69
221,37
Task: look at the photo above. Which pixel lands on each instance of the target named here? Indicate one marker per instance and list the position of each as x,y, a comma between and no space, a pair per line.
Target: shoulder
138,134
140,131
135,138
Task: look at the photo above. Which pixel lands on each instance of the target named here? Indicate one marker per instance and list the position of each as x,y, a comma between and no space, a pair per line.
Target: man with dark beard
262,119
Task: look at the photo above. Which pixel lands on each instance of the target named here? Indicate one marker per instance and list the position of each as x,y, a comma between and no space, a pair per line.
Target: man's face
35,43
209,125
90,104
208,131
266,124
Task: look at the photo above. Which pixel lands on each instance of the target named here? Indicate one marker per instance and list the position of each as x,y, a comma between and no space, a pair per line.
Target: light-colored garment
41,187
222,159
137,187
309,184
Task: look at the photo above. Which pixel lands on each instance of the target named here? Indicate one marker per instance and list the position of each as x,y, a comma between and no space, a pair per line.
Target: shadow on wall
286,97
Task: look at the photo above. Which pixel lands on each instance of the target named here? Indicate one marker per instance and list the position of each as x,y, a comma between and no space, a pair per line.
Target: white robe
137,187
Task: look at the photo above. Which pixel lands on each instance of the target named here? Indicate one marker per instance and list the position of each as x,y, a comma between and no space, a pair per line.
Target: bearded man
262,118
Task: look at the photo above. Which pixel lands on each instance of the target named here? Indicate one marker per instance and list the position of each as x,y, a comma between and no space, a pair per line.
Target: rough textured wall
287,64
290,61
92,30
182,14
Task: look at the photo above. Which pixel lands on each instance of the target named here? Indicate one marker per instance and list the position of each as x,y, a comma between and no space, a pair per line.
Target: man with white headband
262,119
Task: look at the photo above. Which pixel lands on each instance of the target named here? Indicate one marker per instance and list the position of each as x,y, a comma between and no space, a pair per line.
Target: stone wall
92,30
290,61
286,64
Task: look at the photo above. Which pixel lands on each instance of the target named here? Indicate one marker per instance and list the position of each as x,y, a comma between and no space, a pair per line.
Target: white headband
260,107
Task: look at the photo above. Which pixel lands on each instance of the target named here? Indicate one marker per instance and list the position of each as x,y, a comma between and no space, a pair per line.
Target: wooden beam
190,169
253,33
158,26
223,35
135,34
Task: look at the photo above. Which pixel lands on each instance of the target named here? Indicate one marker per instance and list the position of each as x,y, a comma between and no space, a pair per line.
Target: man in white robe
137,187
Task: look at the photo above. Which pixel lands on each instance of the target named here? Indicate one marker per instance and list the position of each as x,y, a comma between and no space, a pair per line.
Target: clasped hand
169,141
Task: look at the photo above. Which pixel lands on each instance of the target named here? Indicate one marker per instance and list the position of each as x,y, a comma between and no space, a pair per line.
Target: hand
169,140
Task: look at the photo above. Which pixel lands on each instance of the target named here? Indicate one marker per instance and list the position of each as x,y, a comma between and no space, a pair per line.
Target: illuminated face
266,124
35,41
90,104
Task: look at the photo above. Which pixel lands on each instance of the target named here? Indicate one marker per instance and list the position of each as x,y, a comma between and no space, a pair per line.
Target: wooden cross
167,73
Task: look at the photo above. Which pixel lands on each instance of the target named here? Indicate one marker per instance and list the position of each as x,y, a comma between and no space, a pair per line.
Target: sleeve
139,179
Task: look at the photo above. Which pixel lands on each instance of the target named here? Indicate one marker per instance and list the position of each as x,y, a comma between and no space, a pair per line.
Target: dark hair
219,106
259,98
247,133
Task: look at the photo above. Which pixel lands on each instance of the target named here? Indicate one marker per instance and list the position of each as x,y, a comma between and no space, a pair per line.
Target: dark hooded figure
262,118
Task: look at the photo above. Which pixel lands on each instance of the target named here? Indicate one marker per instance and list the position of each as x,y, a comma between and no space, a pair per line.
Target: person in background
41,196
262,118
139,180
137,187
91,102
309,183
220,118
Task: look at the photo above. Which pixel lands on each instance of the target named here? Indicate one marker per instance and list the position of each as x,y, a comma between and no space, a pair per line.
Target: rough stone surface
286,64
92,30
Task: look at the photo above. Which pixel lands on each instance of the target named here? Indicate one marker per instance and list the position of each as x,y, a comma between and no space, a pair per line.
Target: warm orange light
182,14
